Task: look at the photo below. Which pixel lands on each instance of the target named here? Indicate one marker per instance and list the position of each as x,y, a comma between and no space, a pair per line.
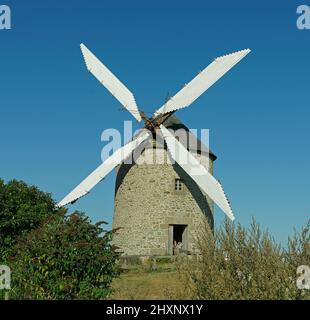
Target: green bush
22,208
239,263
65,258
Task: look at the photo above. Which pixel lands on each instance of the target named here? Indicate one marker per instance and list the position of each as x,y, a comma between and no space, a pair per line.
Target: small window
179,185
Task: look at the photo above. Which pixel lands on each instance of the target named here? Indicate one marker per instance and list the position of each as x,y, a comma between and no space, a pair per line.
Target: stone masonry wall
146,203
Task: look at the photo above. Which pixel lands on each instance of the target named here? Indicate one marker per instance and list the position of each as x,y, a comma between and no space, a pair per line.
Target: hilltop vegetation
246,263
234,263
54,255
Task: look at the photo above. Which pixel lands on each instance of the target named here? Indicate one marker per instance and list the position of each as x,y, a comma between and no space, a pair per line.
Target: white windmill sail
111,82
203,81
106,167
202,177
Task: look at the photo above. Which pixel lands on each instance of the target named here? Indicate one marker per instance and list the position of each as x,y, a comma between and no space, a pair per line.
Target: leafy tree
67,257
22,208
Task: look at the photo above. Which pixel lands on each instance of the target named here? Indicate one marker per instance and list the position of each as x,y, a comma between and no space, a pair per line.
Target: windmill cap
194,143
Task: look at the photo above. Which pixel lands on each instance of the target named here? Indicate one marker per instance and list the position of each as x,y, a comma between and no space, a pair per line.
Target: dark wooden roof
194,143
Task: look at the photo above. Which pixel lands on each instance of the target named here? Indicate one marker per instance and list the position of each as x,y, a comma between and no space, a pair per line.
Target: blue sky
53,111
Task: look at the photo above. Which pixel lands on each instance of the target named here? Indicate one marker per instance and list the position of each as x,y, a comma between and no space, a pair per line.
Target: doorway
177,239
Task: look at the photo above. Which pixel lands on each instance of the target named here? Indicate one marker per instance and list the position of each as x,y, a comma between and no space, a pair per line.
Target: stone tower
159,205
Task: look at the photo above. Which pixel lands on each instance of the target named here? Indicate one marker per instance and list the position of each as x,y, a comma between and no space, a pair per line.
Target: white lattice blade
206,182
111,82
106,167
202,82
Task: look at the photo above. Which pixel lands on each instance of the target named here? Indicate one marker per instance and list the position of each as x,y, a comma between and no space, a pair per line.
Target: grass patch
140,283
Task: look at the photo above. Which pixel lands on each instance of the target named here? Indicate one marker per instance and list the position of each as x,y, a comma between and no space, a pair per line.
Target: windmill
187,95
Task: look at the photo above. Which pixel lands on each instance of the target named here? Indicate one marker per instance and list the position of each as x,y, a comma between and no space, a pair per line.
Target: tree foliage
52,255
65,258
22,208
